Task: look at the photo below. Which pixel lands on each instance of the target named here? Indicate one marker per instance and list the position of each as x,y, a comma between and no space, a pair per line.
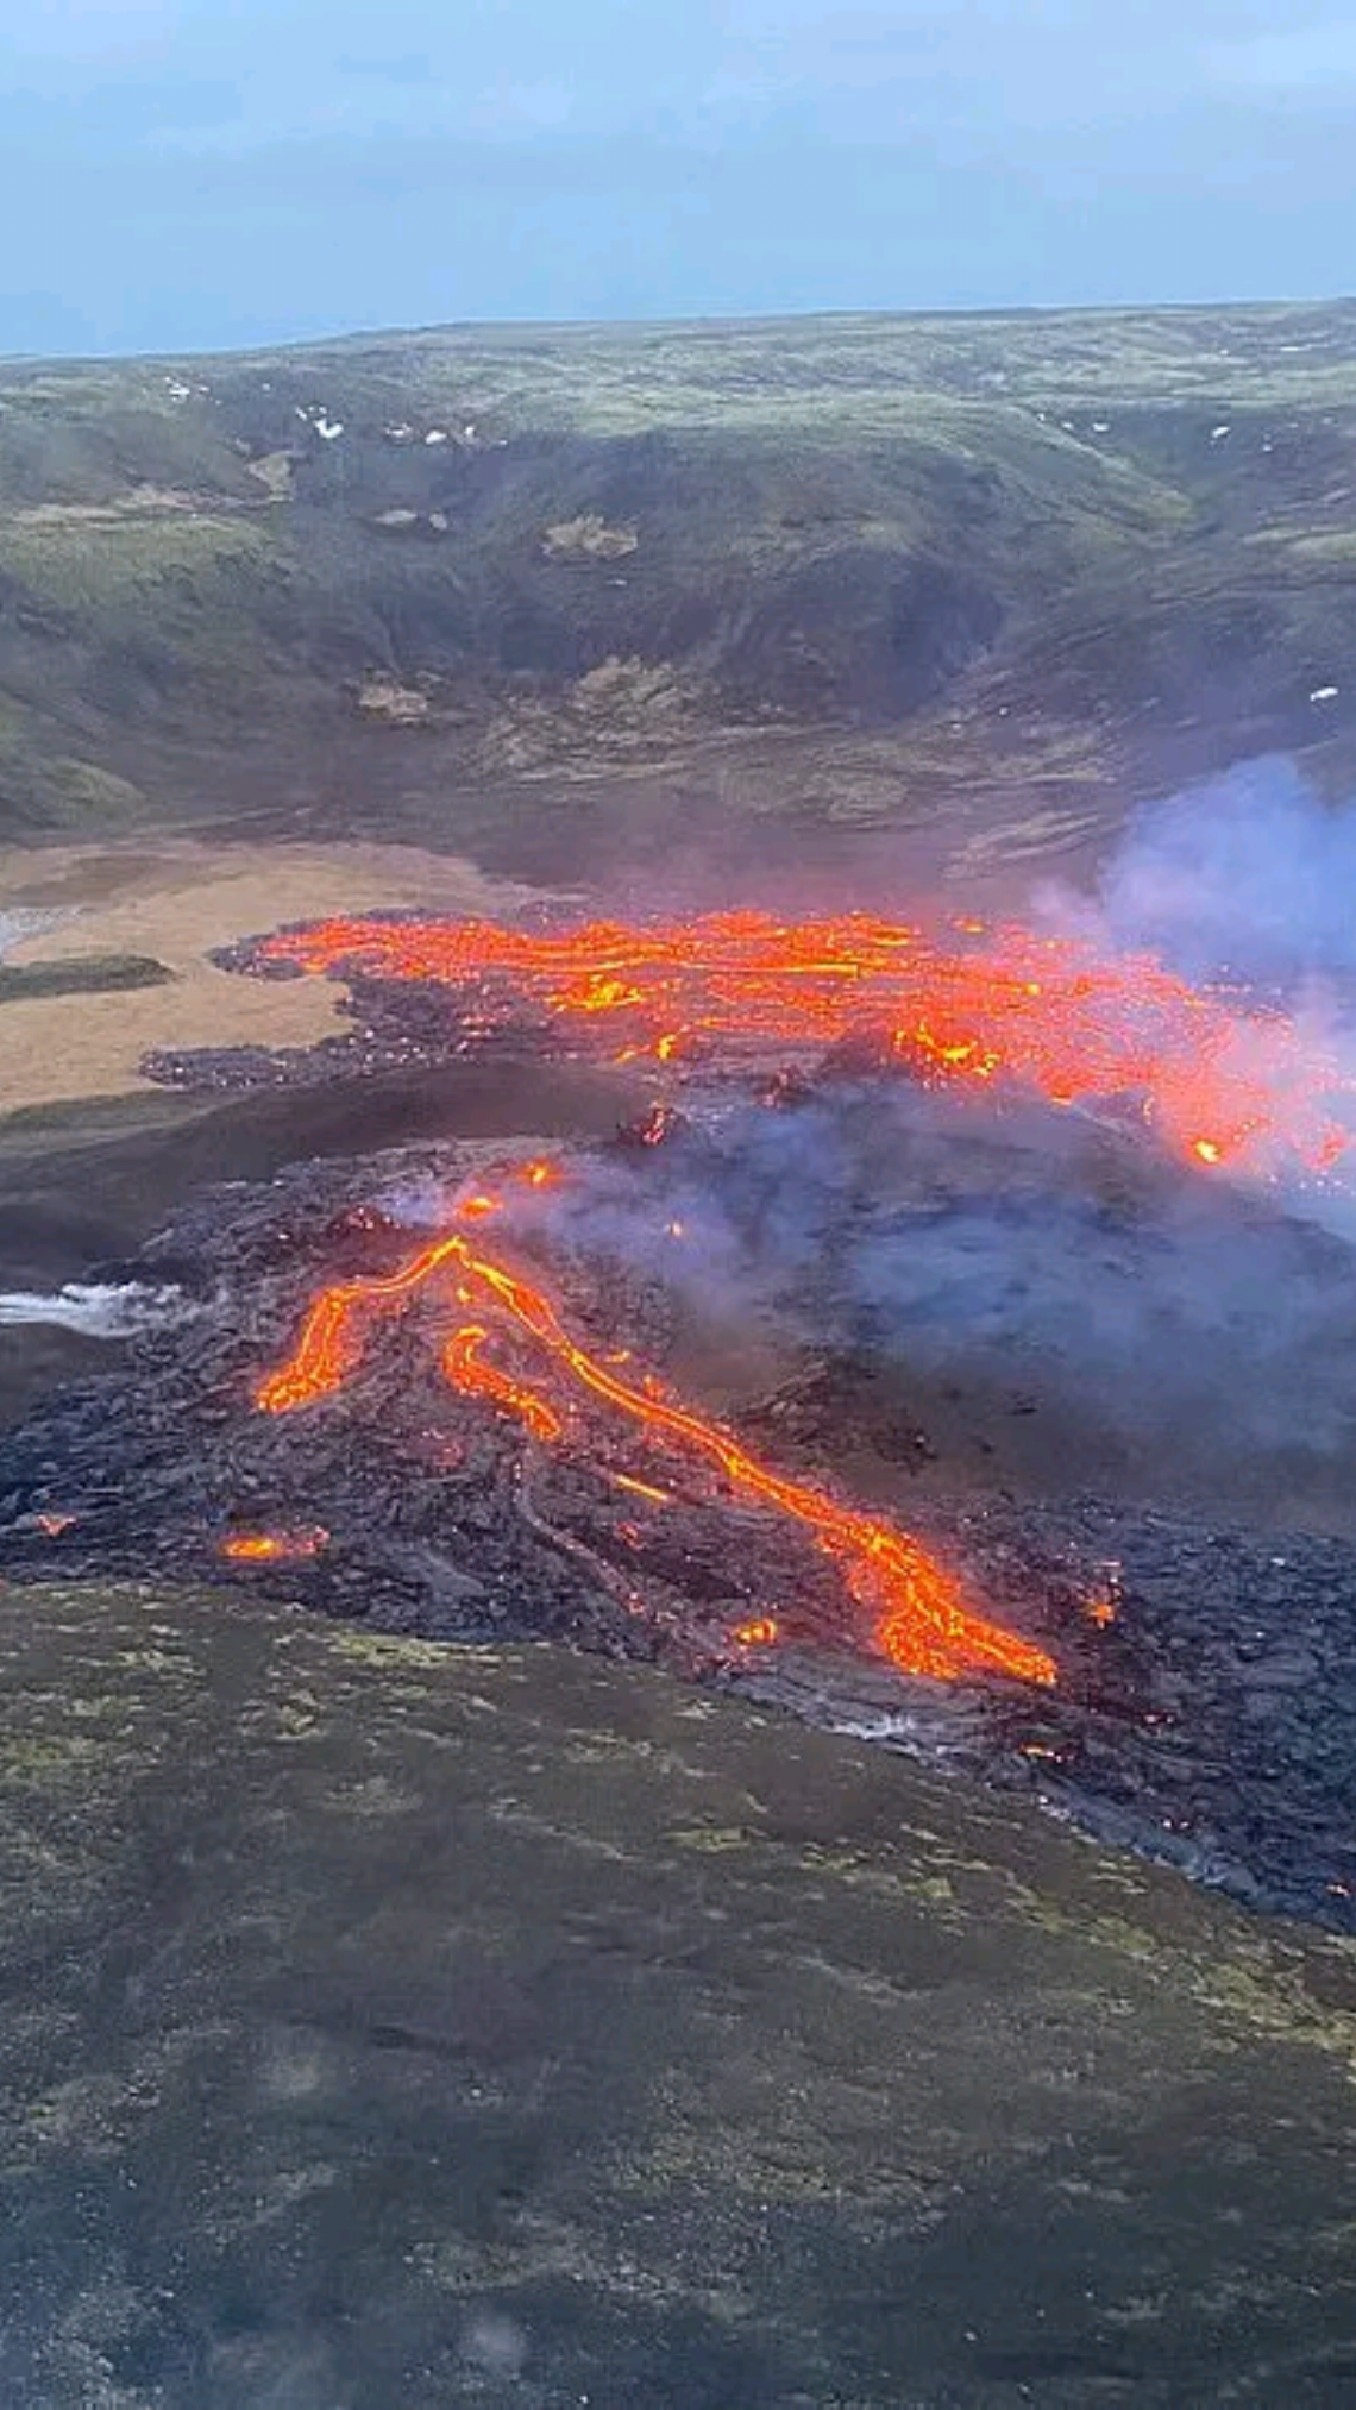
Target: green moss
82,975
852,568
831,2081
47,1762
389,1653
186,583
711,1841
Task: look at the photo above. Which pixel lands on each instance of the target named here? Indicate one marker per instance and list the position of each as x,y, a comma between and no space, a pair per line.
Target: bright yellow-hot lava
273,1547
760,1632
1221,1085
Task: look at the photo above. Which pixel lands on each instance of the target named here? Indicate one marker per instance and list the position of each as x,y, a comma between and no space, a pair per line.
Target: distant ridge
1009,568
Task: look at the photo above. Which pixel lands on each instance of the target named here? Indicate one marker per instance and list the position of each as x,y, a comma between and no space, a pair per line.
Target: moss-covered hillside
431,582
394,2024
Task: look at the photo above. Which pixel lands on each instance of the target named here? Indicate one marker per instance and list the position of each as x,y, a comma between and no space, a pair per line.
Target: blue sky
198,173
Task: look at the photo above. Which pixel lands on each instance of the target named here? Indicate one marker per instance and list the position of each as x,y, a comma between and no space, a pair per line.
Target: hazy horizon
183,179
376,332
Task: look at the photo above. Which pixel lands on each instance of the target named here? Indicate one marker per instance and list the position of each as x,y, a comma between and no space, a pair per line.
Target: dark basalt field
1205,1711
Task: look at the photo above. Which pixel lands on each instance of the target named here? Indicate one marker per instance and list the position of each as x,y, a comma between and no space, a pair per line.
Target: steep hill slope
1007,571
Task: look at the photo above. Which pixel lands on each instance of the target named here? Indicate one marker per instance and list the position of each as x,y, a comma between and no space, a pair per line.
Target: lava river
1220,1082
508,1345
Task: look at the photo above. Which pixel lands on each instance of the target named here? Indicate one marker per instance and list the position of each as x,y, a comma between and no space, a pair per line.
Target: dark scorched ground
1213,1724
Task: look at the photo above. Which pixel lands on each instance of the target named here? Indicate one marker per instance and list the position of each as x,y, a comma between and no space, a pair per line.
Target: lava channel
1220,1084
919,1617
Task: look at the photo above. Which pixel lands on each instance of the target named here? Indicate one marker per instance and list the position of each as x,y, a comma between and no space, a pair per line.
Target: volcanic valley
752,1368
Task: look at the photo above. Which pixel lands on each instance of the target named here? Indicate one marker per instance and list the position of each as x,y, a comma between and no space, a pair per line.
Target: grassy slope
1059,555
364,1997
92,975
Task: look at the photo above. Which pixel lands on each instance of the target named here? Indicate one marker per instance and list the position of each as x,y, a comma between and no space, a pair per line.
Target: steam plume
98,1313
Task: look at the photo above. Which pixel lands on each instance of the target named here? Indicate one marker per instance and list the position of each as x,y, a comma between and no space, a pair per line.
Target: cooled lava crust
1205,1713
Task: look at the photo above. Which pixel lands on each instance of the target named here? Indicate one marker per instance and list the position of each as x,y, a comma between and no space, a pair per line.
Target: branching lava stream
919,1617
1225,1087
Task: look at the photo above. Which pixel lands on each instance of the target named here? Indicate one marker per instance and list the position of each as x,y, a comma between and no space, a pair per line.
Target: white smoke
1021,1252
417,1204
96,1312
1033,1251
1247,882
1249,877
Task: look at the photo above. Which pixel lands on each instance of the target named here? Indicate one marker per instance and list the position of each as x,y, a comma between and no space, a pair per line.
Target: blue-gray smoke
1022,1249
1251,876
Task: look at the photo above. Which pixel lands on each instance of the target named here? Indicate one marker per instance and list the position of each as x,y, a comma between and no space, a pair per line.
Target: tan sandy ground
175,900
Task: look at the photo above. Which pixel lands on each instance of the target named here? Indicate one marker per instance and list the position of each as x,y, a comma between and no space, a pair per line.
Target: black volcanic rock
1211,1720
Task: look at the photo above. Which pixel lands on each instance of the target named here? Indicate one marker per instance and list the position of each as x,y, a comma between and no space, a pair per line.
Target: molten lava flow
467,1370
273,1547
1220,1085
648,1490
760,1632
331,1344
919,1617
1102,1606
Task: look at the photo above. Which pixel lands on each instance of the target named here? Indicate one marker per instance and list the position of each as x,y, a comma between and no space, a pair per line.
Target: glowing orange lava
643,1489
1220,1085
468,1371
1102,1606
919,1616
273,1547
760,1632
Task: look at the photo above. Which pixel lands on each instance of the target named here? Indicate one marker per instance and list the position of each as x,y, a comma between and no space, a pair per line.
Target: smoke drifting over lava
1043,1159
1004,1012
920,1619
1251,877
913,1216
1159,1323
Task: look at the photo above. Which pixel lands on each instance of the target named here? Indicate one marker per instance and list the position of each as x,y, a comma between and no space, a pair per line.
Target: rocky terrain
395,2023
1204,1710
